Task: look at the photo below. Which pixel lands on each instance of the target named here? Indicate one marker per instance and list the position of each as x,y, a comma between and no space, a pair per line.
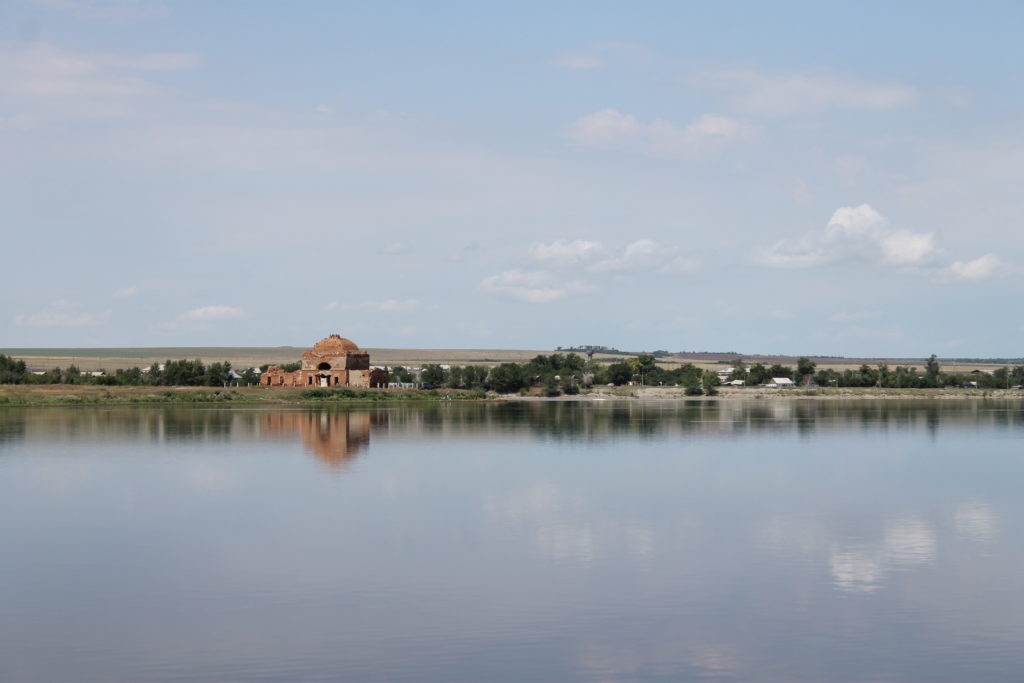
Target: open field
110,359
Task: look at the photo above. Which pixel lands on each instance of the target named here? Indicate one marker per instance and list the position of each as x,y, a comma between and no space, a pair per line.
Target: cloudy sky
798,177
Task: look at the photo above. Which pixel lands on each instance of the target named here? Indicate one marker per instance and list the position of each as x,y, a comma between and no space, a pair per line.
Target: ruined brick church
332,362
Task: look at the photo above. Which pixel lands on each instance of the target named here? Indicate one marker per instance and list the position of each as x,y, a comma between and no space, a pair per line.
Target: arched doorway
324,374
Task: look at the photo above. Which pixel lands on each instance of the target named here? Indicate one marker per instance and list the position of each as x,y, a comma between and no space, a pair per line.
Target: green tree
645,368
506,378
12,371
758,374
932,370
217,374
620,373
709,381
804,369
434,374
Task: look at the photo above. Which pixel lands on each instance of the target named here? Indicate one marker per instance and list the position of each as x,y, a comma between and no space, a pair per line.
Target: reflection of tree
335,433
332,436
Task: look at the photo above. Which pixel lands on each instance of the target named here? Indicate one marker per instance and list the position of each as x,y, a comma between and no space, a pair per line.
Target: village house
332,362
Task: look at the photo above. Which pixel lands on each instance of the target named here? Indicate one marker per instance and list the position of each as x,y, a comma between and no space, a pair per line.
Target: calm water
565,541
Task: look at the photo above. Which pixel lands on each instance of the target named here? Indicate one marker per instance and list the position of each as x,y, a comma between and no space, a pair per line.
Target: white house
781,382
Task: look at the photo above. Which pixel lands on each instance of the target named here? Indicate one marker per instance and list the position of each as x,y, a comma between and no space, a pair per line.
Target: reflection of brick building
333,437
332,362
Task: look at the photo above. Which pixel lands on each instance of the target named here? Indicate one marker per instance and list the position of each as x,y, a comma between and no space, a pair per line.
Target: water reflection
332,436
575,541
332,432
861,568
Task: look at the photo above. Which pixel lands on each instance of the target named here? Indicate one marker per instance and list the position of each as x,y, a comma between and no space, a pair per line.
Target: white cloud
211,313
61,314
603,54
385,306
40,72
639,255
563,253
125,292
535,287
610,129
853,234
804,92
595,257
981,268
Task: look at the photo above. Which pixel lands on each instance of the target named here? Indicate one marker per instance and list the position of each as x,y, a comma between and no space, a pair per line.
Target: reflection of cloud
909,542
566,527
855,570
975,521
906,543
205,478
566,541
668,654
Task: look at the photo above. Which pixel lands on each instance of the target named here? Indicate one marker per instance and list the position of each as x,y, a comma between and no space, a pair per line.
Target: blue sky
820,178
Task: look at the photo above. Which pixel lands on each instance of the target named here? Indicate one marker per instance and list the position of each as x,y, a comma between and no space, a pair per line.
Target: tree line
554,374
177,373
882,376
562,373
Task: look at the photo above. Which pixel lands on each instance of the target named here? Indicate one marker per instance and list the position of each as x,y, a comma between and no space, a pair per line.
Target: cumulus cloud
564,253
610,129
854,234
595,257
804,92
211,313
61,314
125,292
535,287
981,268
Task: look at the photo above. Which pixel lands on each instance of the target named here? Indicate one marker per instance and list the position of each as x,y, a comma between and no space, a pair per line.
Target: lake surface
527,541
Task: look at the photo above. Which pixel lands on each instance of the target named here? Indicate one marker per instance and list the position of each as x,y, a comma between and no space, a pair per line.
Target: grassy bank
63,394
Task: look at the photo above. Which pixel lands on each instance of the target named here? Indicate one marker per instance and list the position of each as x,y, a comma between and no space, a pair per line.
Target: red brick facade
332,362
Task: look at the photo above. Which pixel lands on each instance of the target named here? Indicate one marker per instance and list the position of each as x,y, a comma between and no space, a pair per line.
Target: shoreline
56,395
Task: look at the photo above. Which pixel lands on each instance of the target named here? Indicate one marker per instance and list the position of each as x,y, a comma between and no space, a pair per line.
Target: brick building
332,362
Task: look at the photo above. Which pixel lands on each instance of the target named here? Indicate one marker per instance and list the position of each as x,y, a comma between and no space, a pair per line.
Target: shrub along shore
544,376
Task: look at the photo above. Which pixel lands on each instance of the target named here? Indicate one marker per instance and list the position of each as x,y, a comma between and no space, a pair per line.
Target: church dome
334,345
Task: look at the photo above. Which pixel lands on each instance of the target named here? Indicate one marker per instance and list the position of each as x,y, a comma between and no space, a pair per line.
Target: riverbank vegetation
551,375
